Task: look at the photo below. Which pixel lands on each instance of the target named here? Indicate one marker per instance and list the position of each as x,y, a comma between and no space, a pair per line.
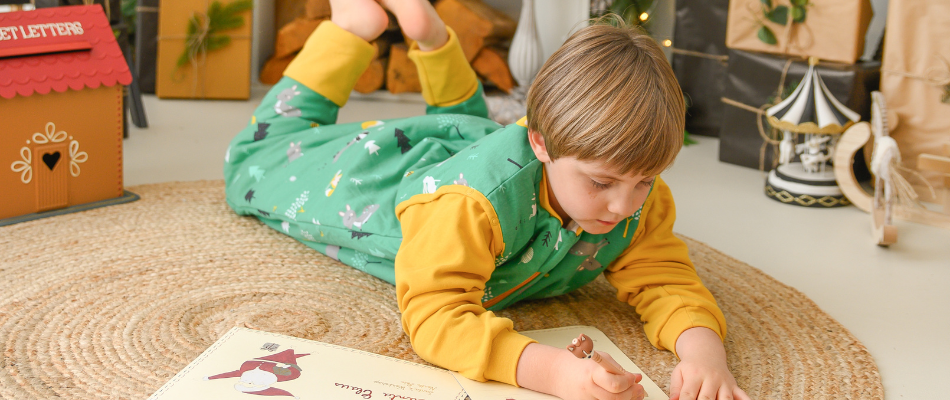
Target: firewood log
317,9
274,68
373,78
476,24
491,64
401,73
285,11
291,38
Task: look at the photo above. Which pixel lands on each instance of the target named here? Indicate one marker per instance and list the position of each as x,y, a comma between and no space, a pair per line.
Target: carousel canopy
811,108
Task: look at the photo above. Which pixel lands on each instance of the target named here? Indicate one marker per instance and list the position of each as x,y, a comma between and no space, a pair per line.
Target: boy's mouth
608,223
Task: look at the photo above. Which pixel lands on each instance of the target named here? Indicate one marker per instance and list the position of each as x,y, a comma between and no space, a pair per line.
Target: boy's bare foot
363,18
420,22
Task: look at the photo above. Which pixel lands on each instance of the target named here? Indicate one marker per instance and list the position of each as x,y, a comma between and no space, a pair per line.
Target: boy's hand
702,372
557,372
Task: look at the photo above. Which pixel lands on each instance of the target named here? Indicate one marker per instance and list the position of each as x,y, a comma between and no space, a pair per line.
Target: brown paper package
833,30
918,44
220,74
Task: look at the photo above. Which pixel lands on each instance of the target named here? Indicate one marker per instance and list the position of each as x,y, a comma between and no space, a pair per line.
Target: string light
644,16
667,43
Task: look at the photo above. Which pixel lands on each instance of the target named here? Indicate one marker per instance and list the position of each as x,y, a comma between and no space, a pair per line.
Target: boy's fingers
740,394
725,392
676,383
613,383
690,389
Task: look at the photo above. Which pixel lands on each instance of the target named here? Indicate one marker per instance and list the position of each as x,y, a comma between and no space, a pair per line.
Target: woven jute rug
112,302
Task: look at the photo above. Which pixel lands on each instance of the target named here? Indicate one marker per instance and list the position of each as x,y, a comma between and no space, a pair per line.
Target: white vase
524,57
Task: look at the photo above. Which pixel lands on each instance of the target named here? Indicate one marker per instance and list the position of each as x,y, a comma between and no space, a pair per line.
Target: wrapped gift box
916,79
223,73
753,78
699,61
830,30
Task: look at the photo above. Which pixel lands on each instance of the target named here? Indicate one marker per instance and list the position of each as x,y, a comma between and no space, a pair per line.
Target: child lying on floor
465,216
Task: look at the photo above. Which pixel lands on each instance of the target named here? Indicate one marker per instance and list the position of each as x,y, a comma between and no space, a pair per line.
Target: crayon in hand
583,347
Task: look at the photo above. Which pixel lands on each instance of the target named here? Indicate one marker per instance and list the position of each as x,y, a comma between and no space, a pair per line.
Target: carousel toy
811,121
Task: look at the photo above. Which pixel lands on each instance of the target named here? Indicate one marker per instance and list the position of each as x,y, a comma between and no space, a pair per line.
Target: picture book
244,364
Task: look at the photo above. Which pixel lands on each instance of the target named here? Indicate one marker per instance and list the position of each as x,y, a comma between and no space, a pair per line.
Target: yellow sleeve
446,77
447,255
655,275
331,62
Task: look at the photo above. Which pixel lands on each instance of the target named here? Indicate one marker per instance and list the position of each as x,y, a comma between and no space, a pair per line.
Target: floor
894,300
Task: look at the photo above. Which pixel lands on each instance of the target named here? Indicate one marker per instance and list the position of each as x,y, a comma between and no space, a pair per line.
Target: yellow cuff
331,62
683,319
506,351
446,76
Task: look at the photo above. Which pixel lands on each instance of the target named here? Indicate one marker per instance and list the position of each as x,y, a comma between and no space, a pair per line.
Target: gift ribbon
789,26
933,76
721,58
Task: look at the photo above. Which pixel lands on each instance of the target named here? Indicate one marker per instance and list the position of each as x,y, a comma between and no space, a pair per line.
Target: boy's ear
537,145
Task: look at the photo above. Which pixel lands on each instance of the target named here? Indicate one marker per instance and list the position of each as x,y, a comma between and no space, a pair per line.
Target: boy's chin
597,228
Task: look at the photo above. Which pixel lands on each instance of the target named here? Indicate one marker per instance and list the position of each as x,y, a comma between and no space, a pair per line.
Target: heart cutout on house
50,159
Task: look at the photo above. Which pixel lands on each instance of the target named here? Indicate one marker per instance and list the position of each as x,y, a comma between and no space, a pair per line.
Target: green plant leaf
799,3
767,4
798,14
779,15
687,140
766,36
218,42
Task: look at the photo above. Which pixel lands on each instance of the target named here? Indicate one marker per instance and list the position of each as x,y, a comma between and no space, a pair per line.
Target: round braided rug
112,302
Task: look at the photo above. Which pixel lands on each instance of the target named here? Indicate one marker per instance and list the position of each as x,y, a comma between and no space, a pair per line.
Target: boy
465,216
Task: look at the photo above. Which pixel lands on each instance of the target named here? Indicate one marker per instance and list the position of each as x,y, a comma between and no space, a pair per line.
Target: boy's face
590,193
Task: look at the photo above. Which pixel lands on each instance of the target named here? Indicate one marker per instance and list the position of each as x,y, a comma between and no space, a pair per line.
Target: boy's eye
599,185
646,183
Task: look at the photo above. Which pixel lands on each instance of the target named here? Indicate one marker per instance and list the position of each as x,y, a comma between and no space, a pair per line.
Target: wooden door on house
51,166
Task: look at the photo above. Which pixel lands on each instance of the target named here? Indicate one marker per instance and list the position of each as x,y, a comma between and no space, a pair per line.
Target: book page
245,364
560,338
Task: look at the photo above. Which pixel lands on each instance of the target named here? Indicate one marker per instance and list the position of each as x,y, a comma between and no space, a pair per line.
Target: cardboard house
61,88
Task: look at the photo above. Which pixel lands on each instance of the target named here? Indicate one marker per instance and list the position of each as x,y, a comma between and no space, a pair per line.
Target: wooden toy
893,196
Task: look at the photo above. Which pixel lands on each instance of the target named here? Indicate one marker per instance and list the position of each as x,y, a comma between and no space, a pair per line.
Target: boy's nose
626,204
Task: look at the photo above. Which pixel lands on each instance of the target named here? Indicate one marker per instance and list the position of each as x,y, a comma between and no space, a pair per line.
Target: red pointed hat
284,357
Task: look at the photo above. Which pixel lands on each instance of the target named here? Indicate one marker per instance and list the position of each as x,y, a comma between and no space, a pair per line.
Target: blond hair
608,94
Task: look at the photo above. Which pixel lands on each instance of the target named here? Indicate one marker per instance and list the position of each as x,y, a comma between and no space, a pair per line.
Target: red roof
88,55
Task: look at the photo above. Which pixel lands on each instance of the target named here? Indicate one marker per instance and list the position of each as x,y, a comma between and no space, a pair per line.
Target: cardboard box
753,78
223,73
832,30
61,106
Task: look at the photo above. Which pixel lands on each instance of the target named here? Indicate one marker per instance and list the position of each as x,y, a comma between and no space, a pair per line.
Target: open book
244,364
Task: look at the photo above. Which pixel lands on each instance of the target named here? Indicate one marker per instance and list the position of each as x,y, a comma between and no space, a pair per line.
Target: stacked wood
292,37
483,32
374,77
491,64
476,24
402,76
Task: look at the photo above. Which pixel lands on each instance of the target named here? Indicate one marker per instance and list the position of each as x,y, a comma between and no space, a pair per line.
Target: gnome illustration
259,374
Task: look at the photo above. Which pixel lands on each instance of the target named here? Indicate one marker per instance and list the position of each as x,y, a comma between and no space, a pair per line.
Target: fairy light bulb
667,43
644,17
